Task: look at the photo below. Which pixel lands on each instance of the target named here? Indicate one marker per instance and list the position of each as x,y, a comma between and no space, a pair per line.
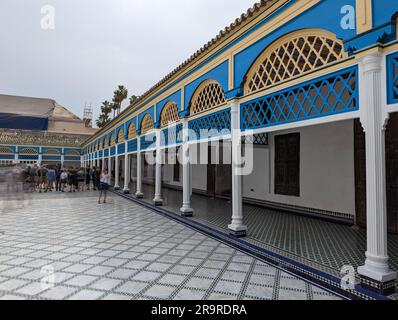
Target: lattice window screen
52,152
72,154
120,137
169,114
29,152
106,144
293,55
132,131
6,151
147,124
208,96
112,140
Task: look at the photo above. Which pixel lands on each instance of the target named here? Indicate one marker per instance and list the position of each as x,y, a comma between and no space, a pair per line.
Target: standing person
81,179
64,180
73,182
88,178
58,178
104,185
96,178
50,179
43,179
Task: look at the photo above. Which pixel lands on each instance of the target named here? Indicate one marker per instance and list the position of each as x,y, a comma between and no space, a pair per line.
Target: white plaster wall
327,174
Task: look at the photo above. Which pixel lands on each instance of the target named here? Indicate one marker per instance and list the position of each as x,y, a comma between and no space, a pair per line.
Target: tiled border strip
322,279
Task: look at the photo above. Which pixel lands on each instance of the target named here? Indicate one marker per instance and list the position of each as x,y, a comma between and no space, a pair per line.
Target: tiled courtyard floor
123,251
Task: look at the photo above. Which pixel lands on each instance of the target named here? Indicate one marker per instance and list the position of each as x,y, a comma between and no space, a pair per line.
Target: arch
28,151
169,114
72,153
5,150
52,152
112,140
106,142
207,96
147,124
132,131
292,55
120,136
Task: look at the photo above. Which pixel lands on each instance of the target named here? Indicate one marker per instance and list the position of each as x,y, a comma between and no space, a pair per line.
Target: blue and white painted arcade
313,86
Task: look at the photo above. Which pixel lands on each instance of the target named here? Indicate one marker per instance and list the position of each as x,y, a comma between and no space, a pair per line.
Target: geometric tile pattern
305,239
122,251
333,94
294,55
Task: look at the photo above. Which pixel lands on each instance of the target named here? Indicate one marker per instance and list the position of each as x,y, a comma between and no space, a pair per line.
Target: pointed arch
132,131
169,114
28,151
207,96
147,124
291,56
106,143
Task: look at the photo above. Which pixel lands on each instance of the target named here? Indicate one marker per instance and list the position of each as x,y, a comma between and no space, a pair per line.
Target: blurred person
64,180
96,178
81,179
58,172
50,179
104,185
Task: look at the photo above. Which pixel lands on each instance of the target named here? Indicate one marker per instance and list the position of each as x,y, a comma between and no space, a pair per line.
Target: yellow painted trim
364,16
231,72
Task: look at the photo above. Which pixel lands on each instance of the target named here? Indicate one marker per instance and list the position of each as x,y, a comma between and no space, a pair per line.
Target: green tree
120,95
104,118
133,99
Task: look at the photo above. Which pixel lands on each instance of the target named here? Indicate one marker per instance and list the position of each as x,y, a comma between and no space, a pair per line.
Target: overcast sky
99,44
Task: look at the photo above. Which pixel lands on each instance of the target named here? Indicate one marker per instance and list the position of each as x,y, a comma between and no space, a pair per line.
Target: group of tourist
43,178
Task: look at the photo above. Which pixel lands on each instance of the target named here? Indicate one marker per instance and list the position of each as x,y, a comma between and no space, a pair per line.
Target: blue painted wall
175,97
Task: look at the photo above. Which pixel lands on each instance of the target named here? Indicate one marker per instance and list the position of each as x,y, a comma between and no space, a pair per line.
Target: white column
109,162
374,122
186,209
62,161
16,161
126,188
236,227
103,160
139,193
117,187
158,201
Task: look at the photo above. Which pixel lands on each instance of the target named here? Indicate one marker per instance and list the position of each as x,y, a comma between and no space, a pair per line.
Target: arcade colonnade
296,79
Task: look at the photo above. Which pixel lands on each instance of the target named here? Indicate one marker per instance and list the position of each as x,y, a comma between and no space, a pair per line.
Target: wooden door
360,173
392,172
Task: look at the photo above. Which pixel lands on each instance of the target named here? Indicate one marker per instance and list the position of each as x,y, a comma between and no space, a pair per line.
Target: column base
117,188
377,278
158,202
237,231
186,212
126,191
139,195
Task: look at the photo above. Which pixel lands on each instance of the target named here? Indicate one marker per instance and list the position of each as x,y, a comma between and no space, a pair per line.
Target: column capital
372,62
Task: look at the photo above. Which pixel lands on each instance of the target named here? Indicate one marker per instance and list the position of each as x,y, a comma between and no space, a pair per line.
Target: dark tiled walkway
305,239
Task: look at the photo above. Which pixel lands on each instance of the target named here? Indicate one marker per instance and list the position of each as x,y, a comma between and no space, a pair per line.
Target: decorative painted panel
333,94
210,126
148,141
132,145
51,158
392,75
6,156
171,136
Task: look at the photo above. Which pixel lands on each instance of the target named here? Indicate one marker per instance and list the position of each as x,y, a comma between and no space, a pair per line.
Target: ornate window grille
106,143
256,139
333,94
169,114
171,136
208,96
293,55
392,78
28,151
147,124
120,137
215,124
6,151
132,131
72,153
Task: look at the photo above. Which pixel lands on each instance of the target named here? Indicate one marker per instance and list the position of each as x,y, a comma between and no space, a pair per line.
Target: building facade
35,130
312,86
